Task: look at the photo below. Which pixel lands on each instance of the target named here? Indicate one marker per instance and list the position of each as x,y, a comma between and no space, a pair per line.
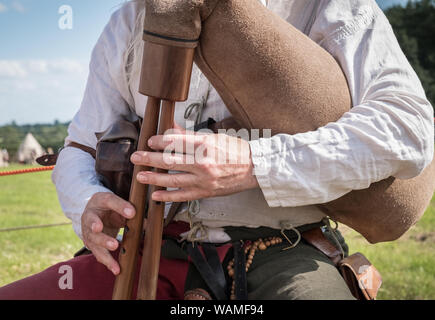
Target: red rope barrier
30,170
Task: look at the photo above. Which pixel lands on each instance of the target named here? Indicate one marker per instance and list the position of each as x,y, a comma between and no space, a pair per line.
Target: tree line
414,27
48,135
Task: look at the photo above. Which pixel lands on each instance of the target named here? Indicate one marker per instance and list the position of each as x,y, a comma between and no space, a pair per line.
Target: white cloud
18,6
3,8
15,5
67,65
23,68
41,90
12,69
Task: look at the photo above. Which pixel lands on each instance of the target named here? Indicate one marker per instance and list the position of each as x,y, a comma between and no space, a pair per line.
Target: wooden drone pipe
133,230
153,237
165,75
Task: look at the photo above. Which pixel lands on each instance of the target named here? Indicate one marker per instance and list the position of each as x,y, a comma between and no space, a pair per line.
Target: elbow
421,152
425,149
421,161
418,159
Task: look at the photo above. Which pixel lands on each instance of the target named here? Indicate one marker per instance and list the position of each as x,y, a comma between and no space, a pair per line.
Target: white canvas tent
4,158
29,150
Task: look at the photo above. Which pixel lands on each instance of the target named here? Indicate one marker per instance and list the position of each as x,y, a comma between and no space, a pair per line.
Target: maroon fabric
175,228
93,281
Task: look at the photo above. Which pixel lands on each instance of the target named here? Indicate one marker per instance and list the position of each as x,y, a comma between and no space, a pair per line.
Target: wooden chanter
165,79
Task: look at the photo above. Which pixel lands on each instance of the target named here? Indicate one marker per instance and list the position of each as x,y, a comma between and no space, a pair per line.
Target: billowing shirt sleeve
106,99
388,131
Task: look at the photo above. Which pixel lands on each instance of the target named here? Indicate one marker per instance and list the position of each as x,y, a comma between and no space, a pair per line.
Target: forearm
368,144
76,182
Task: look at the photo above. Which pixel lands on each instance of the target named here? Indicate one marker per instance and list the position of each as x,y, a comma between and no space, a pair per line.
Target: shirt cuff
260,154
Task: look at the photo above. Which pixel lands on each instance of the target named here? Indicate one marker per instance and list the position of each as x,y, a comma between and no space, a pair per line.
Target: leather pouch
363,279
360,275
114,148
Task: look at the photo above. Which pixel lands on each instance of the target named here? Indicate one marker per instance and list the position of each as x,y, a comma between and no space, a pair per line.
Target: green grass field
30,199
407,265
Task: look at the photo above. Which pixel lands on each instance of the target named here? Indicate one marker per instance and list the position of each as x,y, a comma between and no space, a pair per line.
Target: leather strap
207,273
208,124
51,159
312,18
87,149
317,239
227,123
241,286
215,264
47,160
173,210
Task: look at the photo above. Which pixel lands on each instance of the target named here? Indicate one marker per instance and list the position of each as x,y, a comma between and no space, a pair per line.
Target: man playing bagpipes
252,227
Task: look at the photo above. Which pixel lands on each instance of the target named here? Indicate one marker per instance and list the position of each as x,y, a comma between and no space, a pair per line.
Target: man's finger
178,180
103,240
103,256
180,143
110,201
167,161
114,220
181,195
92,221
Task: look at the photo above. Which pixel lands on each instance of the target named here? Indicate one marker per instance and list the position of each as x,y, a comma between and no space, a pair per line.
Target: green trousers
300,273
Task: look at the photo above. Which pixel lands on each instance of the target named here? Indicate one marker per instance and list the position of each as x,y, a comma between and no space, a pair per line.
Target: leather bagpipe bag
271,76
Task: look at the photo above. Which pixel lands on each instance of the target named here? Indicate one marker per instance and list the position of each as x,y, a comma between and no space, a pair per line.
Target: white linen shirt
388,132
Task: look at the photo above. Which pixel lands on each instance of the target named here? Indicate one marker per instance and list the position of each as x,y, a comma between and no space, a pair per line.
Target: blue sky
43,69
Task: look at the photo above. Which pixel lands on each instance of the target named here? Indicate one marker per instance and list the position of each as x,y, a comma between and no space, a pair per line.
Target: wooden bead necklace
250,250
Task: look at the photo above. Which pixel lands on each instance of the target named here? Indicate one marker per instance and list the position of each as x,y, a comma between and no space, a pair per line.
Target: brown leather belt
317,239
51,159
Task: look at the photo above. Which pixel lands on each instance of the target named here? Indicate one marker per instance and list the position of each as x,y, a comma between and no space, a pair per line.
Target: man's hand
209,165
104,215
